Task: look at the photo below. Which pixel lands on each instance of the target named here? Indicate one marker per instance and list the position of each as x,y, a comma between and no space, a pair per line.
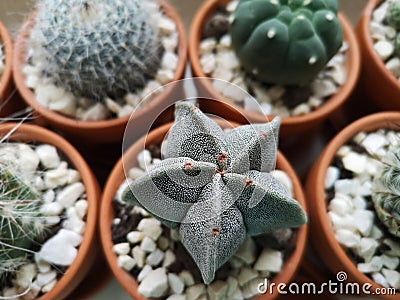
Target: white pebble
166,25
169,61
175,283
155,284
332,175
207,45
25,275
247,251
365,220
208,63
195,291
375,265
49,196
134,237
126,262
251,104
354,162
96,112
341,206
165,76
342,222
155,258
246,274
73,176
48,156
392,277
390,262
135,173
186,277
144,159
225,42
44,278
177,297
380,279
374,142
384,49
269,260
48,287
347,238
169,258
233,92
27,161
227,60
121,248
43,266
393,65
143,273
60,249
70,194
301,109
284,179
148,245
323,88
81,207
367,248
379,14
139,255
51,209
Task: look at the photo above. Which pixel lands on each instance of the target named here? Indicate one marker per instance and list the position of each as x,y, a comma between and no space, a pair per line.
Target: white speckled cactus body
386,195
215,187
20,221
96,49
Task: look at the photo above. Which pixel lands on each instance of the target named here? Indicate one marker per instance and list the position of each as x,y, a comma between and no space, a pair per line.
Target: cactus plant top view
386,195
216,187
96,49
285,42
20,221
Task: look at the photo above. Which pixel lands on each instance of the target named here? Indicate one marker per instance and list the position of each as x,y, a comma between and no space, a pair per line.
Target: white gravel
152,253
64,102
351,211
218,60
42,271
384,37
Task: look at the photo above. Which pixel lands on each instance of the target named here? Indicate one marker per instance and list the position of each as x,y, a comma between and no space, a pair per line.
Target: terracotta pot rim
5,78
364,24
353,70
29,97
38,134
127,281
316,185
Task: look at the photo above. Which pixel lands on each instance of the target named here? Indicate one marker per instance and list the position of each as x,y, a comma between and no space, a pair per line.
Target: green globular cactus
216,187
20,221
393,14
286,42
386,191
97,49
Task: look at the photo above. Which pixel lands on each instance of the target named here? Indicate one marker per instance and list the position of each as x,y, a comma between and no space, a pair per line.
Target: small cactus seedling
96,49
386,192
285,42
215,187
393,14
20,221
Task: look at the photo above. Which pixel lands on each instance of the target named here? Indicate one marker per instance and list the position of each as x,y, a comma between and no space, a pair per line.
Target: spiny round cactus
20,221
393,14
96,49
386,195
285,42
215,187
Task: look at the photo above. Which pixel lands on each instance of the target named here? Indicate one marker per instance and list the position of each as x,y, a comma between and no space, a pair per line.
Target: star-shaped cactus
215,187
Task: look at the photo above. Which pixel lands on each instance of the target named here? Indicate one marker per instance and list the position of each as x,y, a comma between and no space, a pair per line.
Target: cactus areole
286,42
216,187
96,49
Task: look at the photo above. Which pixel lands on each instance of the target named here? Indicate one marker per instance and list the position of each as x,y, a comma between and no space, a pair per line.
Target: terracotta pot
290,125
325,243
108,130
378,83
88,249
7,106
117,176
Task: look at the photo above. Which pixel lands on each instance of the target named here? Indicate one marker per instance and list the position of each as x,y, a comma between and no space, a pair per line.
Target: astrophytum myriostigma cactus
20,221
216,187
386,191
96,49
285,42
